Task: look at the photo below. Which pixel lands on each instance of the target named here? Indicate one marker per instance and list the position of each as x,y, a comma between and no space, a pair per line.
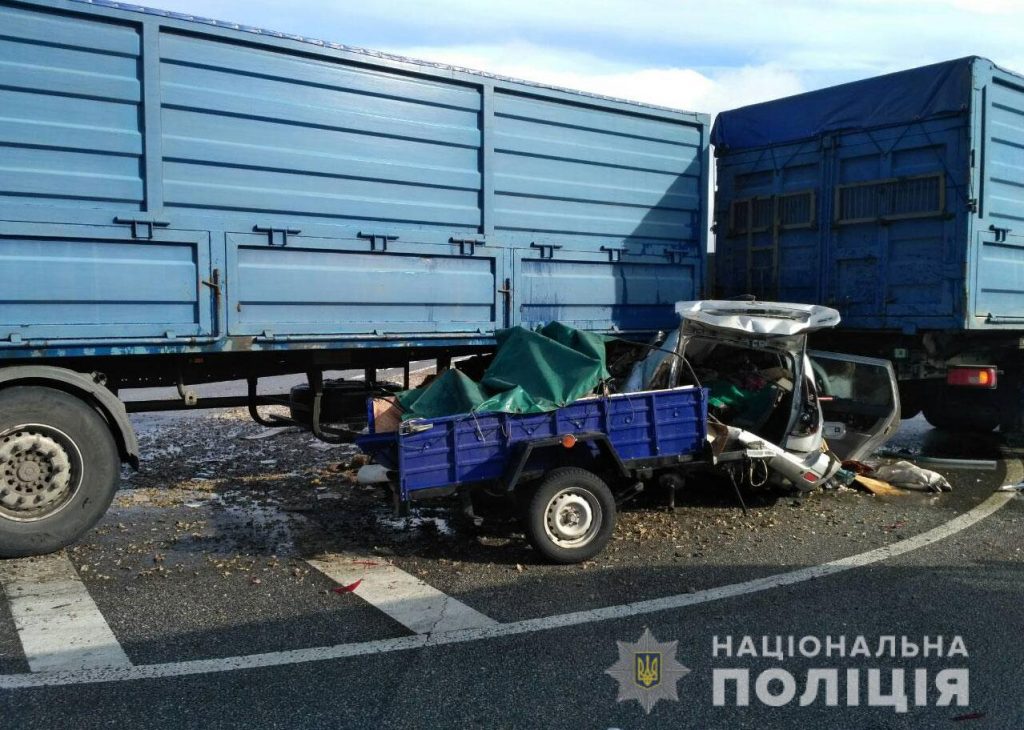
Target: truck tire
913,396
59,469
963,410
571,515
1011,416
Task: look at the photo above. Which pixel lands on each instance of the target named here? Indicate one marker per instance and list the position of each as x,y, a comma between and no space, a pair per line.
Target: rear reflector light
972,377
810,476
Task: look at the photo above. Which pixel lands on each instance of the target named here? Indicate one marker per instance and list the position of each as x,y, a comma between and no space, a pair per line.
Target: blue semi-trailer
185,200
898,200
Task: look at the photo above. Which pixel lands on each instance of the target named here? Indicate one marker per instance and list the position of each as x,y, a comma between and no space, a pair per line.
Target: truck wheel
972,412
571,515
913,396
59,469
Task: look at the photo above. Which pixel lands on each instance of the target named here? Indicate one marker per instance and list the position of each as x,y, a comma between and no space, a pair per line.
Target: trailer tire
571,515
59,469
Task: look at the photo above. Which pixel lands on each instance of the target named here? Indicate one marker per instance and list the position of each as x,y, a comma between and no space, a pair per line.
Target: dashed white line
325,653
419,607
58,623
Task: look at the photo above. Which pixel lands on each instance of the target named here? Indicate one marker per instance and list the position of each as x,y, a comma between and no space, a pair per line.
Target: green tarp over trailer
532,372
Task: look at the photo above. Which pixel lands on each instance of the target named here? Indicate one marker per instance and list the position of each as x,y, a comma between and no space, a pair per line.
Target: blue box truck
899,200
184,200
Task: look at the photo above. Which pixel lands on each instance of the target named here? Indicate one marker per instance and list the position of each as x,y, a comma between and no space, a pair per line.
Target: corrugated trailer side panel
71,145
596,205
179,184
997,265
71,98
255,130
278,141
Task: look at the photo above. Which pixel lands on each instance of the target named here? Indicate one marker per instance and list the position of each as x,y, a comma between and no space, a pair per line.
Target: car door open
859,400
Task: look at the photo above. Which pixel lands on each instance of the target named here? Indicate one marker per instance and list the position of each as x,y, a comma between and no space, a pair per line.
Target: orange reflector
568,441
972,377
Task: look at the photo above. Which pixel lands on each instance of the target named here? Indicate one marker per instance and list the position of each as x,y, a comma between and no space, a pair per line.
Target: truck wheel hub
40,468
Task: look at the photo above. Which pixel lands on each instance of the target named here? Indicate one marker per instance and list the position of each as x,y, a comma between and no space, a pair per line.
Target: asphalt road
205,576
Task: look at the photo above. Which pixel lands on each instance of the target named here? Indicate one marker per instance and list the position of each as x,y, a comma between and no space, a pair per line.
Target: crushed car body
811,410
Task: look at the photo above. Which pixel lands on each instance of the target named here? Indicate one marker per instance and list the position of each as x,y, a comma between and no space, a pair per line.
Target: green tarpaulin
532,372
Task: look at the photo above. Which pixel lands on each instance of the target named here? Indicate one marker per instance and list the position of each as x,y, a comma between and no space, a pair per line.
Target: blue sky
702,55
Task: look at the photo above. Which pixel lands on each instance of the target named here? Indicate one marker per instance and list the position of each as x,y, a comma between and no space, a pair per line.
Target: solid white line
405,598
59,625
298,656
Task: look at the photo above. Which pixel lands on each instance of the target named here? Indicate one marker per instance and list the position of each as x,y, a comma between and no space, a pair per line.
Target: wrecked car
764,384
569,432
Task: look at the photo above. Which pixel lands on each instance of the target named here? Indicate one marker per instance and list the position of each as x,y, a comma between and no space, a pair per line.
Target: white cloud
679,88
849,31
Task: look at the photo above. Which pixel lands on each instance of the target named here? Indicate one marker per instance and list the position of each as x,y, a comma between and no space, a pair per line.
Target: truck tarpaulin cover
532,372
942,88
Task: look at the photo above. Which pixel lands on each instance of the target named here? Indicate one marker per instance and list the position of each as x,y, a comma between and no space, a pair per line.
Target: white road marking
59,625
405,598
326,653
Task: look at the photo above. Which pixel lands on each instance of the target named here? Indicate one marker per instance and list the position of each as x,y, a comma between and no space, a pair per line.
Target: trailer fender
517,464
90,388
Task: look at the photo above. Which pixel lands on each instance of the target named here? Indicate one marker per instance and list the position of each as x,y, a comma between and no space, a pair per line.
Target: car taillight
972,377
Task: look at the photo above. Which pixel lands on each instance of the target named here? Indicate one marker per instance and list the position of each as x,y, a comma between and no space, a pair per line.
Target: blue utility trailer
185,200
586,455
898,200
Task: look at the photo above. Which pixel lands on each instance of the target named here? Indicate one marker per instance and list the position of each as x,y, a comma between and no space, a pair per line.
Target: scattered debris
269,433
415,521
910,476
349,588
886,478
359,460
322,445
858,467
323,495
875,486
374,474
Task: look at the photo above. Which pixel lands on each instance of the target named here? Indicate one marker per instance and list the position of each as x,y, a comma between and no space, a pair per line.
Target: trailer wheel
59,469
571,515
